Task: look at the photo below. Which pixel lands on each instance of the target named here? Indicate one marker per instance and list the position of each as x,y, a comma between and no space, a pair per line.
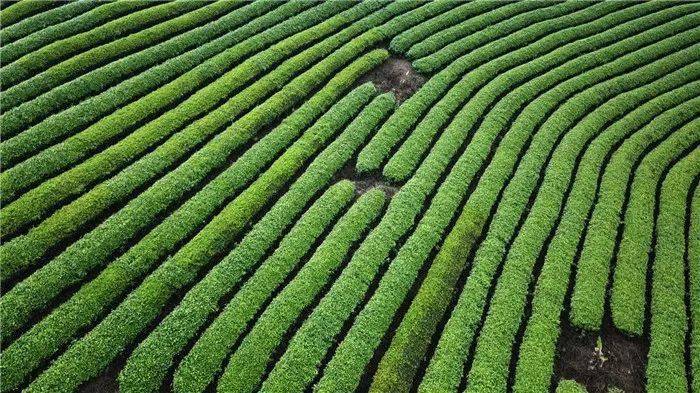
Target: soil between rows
620,363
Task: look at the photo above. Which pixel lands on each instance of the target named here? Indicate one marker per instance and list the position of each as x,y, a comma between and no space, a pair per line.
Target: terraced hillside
339,196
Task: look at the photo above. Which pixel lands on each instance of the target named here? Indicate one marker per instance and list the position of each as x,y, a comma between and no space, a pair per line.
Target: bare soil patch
365,182
396,75
620,361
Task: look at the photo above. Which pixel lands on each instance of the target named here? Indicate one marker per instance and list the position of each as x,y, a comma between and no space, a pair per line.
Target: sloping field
340,196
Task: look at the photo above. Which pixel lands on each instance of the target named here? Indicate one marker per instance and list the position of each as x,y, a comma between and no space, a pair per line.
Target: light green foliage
44,69
693,239
570,386
94,299
40,22
134,76
110,193
249,361
77,147
594,263
669,317
627,299
154,353
490,366
207,196
537,350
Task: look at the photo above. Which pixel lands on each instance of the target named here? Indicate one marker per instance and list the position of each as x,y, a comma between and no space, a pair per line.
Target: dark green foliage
666,371
80,146
154,353
106,195
521,16
174,205
402,42
694,286
537,351
248,363
14,13
135,75
40,22
44,69
94,299
96,17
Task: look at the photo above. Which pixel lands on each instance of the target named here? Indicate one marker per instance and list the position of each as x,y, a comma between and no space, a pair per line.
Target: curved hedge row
345,369
154,354
268,275
42,70
247,364
10,52
16,12
88,356
628,292
123,121
178,180
666,369
693,239
490,366
94,299
534,14
498,56
52,65
470,27
379,147
574,39
313,339
37,202
445,369
296,296
536,363
161,62
411,340
208,355
68,122
41,21
402,42
588,298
